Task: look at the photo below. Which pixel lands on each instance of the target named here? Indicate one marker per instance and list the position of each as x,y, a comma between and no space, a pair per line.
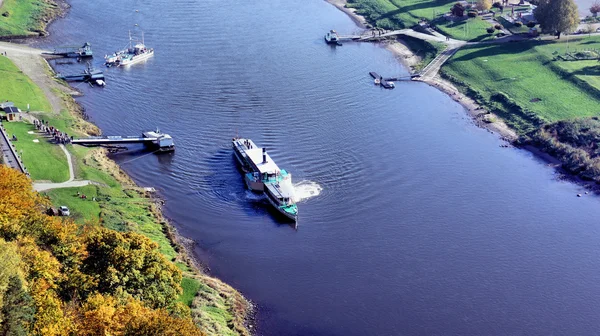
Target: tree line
60,278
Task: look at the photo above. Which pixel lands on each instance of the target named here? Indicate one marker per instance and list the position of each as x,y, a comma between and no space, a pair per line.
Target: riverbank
29,18
116,202
500,85
409,58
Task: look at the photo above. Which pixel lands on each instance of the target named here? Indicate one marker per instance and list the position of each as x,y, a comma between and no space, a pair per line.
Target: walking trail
70,183
31,62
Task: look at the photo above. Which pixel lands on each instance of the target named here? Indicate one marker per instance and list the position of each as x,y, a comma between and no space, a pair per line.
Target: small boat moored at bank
131,55
332,37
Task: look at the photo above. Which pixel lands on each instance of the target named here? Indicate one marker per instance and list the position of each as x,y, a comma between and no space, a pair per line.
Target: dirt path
30,61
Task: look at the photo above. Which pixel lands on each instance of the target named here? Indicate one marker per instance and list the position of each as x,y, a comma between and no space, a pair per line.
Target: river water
424,224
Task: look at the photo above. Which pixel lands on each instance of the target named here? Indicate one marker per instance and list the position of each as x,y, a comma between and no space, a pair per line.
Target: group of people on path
58,136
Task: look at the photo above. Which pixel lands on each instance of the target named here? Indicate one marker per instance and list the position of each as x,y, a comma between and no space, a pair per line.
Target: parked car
64,211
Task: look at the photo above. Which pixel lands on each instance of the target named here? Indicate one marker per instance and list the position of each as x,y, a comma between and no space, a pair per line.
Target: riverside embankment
113,199
425,224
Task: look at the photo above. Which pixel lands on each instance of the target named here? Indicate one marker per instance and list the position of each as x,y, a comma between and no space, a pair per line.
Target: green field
19,89
44,160
398,14
471,29
115,207
25,17
526,73
511,27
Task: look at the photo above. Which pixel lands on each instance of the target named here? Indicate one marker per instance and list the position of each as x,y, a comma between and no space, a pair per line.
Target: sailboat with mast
134,53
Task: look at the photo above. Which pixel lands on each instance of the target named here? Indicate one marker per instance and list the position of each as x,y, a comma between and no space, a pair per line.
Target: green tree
557,16
595,9
129,264
18,309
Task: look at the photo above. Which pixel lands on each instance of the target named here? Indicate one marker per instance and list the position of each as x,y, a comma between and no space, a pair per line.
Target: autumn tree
595,9
130,264
557,16
107,315
484,5
18,201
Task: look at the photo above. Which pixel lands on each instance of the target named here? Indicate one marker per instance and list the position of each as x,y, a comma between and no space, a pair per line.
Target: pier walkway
373,35
431,69
108,140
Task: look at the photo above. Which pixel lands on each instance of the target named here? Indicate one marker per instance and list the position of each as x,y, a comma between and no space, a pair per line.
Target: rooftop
255,154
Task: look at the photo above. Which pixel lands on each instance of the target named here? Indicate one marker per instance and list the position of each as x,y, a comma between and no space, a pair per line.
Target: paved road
8,155
19,48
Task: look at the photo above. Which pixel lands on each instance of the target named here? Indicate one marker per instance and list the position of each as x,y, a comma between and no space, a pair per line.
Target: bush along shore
28,18
542,93
124,212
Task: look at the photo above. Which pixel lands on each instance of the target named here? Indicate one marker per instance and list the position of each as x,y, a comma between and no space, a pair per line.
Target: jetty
161,141
88,75
381,81
73,51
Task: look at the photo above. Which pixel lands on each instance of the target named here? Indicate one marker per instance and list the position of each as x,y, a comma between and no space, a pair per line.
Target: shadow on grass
488,50
593,70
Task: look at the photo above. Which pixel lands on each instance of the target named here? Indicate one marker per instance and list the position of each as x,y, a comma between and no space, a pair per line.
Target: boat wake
306,189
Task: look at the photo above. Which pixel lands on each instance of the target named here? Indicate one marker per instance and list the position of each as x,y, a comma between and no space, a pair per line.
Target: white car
64,211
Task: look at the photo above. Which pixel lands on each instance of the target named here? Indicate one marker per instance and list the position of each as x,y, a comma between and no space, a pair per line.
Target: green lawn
397,14
82,210
44,160
511,27
24,16
116,208
190,288
18,88
526,73
471,29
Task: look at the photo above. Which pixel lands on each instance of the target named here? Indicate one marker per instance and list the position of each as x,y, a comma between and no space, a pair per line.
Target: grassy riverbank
115,202
527,83
545,90
26,17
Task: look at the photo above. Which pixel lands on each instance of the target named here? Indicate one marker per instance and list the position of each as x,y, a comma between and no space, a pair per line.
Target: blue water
424,226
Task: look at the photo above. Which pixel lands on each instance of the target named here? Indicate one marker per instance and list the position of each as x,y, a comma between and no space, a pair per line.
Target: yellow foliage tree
484,5
105,315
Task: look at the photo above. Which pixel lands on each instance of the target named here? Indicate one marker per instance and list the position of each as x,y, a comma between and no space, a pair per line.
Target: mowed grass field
471,29
397,14
23,16
528,73
19,89
44,160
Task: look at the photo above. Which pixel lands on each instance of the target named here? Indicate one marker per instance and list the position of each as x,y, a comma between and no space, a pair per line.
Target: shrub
496,5
518,23
490,30
472,14
531,24
498,27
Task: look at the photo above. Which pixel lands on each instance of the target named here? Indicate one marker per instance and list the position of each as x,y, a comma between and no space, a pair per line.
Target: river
425,225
